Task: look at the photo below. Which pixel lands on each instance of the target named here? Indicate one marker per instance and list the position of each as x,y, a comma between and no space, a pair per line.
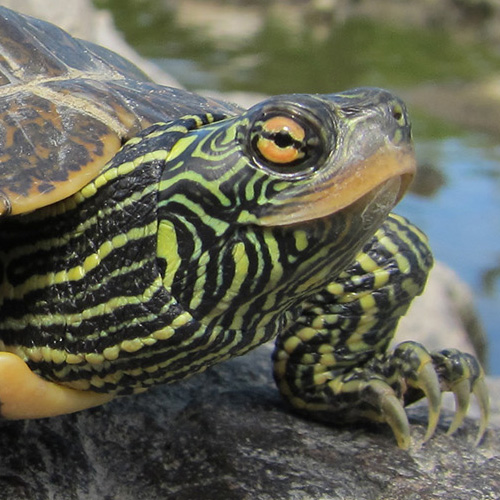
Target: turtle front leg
332,362
23,394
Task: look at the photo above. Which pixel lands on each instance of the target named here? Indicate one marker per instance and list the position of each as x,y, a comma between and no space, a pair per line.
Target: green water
273,52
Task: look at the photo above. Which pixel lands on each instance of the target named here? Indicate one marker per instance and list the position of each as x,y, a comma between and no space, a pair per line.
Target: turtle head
323,153
283,196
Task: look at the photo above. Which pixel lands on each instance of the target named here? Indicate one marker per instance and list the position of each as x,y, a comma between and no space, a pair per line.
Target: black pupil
283,139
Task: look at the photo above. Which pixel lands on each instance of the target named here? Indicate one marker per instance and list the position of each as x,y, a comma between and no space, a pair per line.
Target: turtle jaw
384,177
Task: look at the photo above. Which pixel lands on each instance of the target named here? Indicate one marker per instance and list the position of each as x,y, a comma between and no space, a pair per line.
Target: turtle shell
66,107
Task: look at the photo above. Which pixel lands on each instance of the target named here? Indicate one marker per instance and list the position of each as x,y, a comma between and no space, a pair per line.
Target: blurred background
442,56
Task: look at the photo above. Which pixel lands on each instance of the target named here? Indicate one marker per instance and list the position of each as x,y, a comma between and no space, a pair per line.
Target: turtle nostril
397,113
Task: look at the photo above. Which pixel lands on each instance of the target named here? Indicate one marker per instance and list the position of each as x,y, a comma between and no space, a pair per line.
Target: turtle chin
376,205
389,170
368,211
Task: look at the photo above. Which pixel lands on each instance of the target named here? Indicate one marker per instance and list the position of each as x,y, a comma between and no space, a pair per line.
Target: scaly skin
207,236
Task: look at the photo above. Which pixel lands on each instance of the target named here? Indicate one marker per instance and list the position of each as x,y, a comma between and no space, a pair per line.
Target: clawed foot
380,390
428,375
461,374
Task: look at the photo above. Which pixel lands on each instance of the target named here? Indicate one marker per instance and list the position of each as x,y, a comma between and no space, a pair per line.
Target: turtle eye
285,143
281,140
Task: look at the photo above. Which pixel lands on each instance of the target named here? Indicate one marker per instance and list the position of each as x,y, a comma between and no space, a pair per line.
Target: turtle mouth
387,173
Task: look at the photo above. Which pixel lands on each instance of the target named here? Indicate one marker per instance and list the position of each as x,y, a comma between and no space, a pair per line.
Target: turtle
148,233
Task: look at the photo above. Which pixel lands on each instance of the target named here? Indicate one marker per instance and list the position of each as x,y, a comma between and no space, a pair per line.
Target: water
279,49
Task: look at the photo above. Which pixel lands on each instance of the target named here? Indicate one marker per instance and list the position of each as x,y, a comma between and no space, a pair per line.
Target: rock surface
226,434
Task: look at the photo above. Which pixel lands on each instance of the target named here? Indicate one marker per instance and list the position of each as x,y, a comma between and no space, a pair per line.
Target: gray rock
226,435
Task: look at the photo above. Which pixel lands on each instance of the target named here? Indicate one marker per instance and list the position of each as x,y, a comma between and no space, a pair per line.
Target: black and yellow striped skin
137,278
360,309
197,243
351,322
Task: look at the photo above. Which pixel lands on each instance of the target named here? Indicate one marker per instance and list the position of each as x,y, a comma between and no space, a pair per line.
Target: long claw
428,382
481,393
395,416
461,391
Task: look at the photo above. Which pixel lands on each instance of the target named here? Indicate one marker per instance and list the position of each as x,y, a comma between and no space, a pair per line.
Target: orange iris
281,134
